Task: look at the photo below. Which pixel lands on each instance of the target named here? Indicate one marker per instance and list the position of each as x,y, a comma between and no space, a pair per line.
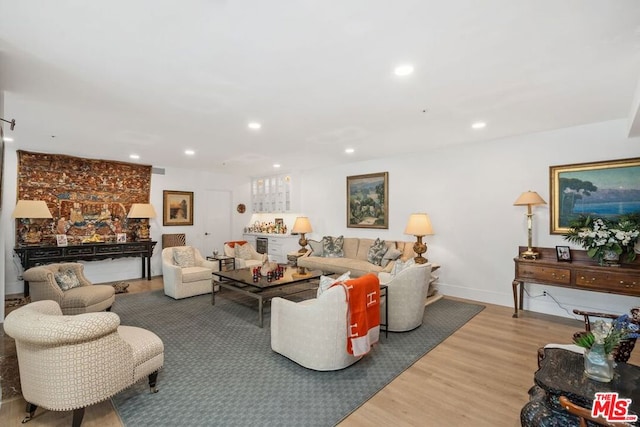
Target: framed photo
61,239
563,253
279,222
368,201
121,237
604,189
177,207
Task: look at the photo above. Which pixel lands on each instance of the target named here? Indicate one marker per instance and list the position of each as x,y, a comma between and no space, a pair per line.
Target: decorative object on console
528,199
368,201
241,208
142,211
563,253
593,188
302,226
30,210
419,225
177,207
606,240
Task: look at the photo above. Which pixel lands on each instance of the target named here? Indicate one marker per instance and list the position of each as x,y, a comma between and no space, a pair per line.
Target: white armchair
185,272
406,295
69,362
245,254
313,333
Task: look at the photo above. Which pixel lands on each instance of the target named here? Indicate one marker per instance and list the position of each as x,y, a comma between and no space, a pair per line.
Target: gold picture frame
177,207
605,189
368,201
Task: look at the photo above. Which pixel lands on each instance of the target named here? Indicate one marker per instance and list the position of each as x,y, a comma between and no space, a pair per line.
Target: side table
225,263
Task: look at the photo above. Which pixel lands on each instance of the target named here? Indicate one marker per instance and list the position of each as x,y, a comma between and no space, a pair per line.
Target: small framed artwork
563,253
368,201
279,222
177,207
121,237
61,239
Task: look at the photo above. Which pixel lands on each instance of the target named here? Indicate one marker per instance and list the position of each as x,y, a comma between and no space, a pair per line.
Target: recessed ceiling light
478,125
134,156
254,125
349,150
276,165
403,70
7,139
189,152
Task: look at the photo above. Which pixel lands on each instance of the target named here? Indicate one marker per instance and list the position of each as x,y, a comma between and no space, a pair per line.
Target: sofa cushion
243,251
332,246
376,252
392,254
66,279
86,296
183,256
351,246
402,265
316,247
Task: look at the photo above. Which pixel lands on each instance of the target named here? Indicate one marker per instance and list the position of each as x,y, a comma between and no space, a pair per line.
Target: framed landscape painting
177,207
604,189
368,201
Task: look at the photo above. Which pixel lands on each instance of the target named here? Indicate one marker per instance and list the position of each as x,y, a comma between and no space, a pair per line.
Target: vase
610,258
597,364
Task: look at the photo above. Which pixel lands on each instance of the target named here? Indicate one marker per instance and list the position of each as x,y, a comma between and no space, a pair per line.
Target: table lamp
528,199
419,225
142,211
30,210
302,226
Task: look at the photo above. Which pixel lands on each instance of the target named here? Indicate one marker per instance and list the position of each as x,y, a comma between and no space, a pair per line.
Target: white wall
468,191
127,268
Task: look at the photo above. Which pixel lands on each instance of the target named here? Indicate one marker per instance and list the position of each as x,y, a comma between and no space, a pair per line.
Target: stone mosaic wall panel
86,197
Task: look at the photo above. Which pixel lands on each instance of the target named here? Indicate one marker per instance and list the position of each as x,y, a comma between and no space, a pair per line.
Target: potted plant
606,240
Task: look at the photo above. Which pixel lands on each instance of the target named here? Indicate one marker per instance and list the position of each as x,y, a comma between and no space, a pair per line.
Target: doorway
217,228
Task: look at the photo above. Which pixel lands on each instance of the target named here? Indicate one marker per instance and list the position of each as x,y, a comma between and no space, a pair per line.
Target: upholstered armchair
406,295
245,254
313,333
185,272
67,363
66,284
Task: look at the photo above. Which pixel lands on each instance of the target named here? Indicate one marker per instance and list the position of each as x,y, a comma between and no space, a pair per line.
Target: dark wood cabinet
31,256
581,273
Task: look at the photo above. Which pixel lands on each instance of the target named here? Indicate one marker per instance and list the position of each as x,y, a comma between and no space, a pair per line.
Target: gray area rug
220,369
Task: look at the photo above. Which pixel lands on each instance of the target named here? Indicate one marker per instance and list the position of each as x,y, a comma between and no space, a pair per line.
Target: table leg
142,261
149,268
213,292
260,306
514,285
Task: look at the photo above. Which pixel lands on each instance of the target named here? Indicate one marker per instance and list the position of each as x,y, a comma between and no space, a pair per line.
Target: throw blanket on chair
363,299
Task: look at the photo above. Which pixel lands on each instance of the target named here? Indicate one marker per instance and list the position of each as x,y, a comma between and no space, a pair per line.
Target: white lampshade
529,198
302,225
419,225
142,210
31,209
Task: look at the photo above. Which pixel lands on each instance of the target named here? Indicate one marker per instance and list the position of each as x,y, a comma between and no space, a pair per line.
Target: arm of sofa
42,284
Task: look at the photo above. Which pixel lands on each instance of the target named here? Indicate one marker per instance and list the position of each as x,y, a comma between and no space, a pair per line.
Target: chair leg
31,410
78,414
108,308
153,377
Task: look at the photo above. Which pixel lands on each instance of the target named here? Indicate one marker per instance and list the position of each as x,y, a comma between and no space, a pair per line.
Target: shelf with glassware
271,194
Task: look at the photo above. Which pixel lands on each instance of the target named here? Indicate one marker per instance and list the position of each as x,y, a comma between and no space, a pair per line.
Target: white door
217,228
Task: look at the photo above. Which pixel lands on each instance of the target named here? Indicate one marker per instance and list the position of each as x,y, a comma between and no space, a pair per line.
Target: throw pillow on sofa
66,279
376,252
391,255
402,265
243,251
332,246
326,282
316,247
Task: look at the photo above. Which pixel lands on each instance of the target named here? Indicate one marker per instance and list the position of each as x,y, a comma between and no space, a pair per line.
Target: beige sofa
355,257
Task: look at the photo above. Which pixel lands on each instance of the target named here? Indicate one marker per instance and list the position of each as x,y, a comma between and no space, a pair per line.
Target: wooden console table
31,256
581,273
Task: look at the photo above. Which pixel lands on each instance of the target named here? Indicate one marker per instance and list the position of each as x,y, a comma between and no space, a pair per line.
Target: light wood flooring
479,376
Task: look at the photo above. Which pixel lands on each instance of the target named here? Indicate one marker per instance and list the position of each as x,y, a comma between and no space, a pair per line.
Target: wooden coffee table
241,281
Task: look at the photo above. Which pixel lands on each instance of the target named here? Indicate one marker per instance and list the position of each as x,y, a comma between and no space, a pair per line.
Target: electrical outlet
544,293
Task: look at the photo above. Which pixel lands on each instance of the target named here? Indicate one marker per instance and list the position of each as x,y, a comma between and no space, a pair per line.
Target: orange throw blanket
363,299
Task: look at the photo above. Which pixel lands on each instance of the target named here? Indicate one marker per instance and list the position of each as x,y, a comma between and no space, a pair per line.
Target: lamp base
302,272
529,254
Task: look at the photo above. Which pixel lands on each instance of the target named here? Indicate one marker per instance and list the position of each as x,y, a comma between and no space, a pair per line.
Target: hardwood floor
479,376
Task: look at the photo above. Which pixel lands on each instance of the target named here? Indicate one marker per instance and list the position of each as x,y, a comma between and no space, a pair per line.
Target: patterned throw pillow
332,246
66,279
184,256
243,251
326,282
316,248
400,265
391,255
376,252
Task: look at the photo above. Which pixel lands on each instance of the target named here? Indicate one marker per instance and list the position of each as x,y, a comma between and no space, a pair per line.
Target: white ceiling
111,78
